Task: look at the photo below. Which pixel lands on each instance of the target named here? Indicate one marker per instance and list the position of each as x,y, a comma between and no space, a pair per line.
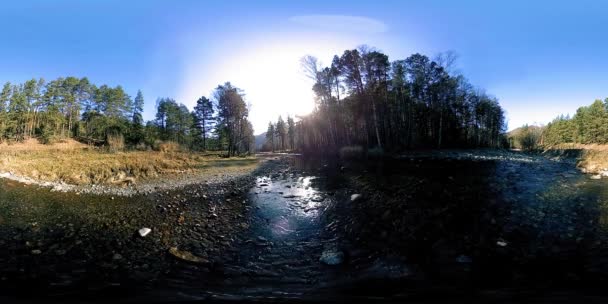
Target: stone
501,243
36,252
186,256
144,231
332,257
386,214
317,198
117,256
464,259
355,197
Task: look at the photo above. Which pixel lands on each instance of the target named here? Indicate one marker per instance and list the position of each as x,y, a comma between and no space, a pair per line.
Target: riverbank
501,221
306,229
66,244
591,159
71,166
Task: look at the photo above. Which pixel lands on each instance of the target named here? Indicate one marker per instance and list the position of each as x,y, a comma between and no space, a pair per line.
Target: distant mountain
517,131
259,141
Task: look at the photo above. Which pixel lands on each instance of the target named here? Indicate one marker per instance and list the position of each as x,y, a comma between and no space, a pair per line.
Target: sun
270,75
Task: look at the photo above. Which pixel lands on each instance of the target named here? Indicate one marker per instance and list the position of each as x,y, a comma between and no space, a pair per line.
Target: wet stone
332,257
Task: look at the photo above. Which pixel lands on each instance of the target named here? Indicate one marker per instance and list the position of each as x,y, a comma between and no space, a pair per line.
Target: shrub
166,147
351,152
375,153
46,135
142,147
115,142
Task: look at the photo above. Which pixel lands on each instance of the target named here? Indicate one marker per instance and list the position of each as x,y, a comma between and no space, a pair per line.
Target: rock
501,243
187,256
36,252
464,259
289,196
597,176
262,239
355,197
117,256
332,257
144,231
317,198
386,214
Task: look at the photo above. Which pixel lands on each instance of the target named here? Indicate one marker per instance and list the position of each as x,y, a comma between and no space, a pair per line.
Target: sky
539,58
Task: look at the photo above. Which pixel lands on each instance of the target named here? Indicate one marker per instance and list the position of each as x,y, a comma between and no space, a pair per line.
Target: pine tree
291,131
137,120
281,132
5,96
270,136
203,115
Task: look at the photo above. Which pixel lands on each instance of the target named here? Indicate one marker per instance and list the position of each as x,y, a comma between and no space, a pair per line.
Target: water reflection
289,203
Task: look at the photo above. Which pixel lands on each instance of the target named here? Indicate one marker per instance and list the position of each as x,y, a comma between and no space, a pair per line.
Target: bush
351,152
46,135
142,147
375,153
166,146
528,141
115,142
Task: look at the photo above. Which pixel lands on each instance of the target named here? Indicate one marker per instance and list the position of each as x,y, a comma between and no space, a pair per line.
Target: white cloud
342,23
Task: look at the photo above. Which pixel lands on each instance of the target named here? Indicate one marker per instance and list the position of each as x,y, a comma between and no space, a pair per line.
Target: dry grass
34,145
592,158
74,163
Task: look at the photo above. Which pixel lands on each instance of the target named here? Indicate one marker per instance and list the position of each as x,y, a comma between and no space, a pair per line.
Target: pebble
144,231
464,259
332,257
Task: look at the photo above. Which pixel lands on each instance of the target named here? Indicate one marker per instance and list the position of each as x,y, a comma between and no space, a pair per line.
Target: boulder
332,257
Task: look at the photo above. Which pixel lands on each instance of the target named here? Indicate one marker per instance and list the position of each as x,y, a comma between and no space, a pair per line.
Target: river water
423,227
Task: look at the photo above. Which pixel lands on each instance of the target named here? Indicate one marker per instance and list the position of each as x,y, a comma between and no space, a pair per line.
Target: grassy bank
590,158
73,163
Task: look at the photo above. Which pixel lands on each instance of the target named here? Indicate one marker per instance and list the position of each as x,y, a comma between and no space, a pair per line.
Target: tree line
281,135
73,107
363,99
589,125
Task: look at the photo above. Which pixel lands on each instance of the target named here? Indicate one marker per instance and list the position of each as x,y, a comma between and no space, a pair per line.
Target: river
421,228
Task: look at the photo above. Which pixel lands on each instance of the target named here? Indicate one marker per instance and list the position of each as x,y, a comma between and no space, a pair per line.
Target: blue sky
540,58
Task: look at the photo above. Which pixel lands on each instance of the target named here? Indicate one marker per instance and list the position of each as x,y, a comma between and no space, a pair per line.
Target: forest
75,108
589,125
363,99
